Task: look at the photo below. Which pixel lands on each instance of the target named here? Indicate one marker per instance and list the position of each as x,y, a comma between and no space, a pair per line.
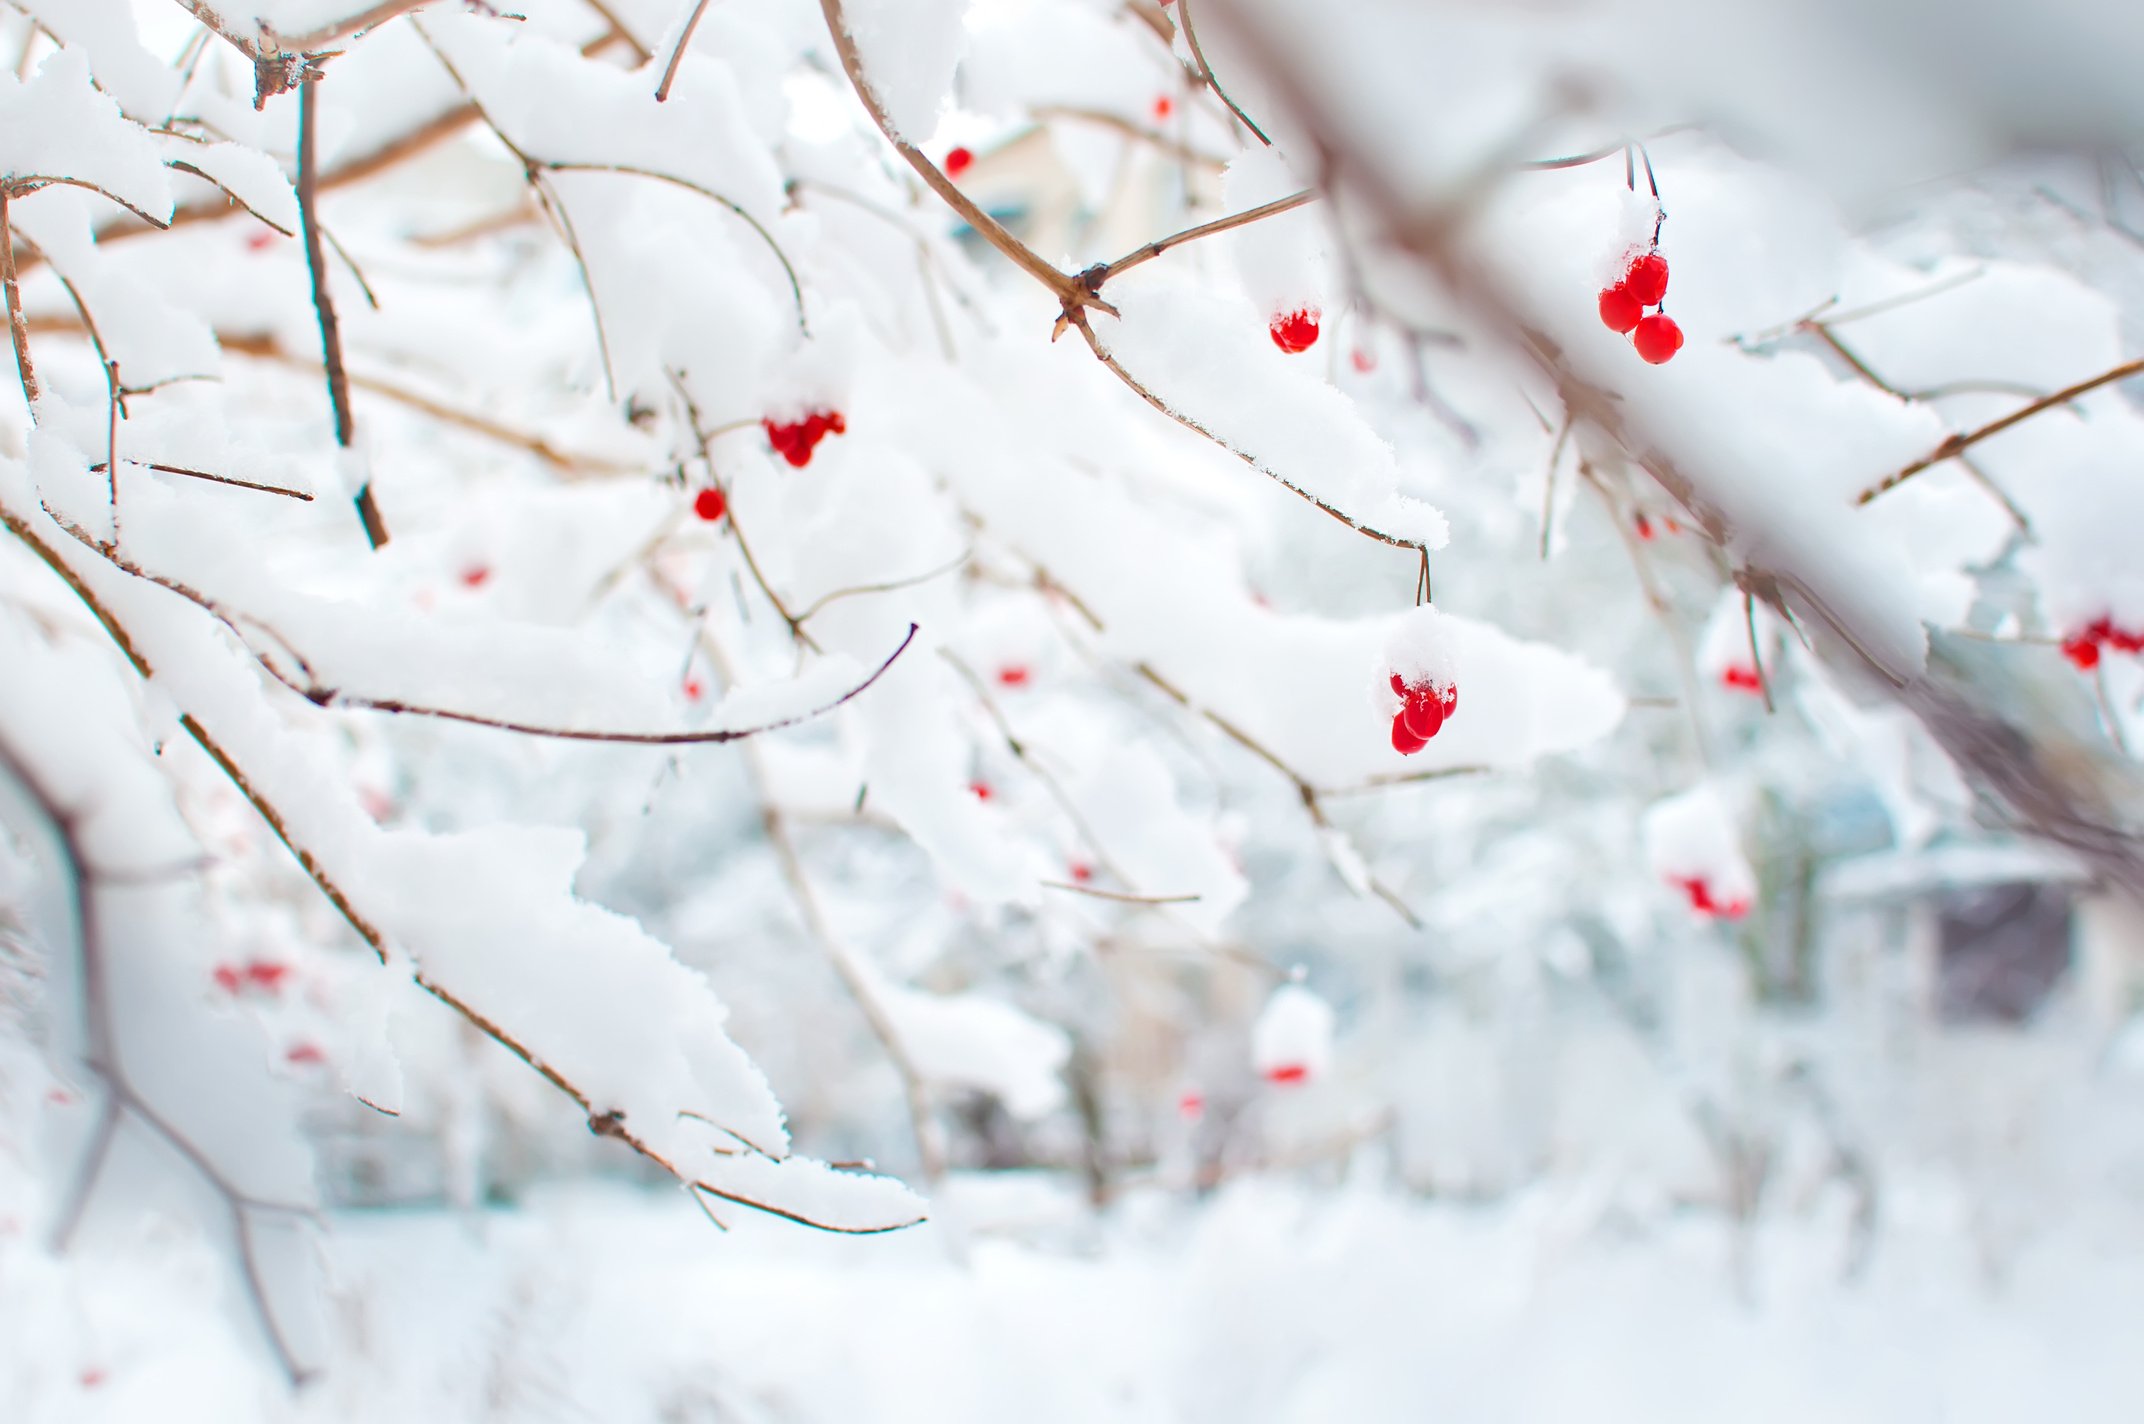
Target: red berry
1404,741
958,161
1296,331
1163,107
476,576
2124,641
795,440
227,978
1399,685
1363,360
694,689
260,241
1644,526
1620,310
303,1053
2083,650
1012,675
1190,1105
1424,716
1657,338
267,974
1081,872
1742,679
710,504
1647,279
1287,1074
979,790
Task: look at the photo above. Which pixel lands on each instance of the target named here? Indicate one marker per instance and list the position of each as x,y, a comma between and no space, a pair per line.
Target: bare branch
18,325
1957,444
323,303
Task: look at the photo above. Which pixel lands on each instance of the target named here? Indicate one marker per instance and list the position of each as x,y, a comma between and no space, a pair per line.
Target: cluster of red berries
1702,900
263,974
2084,648
1296,331
795,440
1426,709
1623,305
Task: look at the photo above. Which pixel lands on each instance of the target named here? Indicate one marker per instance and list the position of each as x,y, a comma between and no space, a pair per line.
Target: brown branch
1079,319
2030,771
265,348
1175,148
930,1137
1959,443
889,586
1823,332
369,19
1095,276
1191,37
1307,793
677,55
604,1123
102,467
18,325
368,511
704,439
990,229
796,287
330,697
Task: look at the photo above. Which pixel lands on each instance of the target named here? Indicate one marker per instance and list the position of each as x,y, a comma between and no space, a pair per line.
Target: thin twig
18,325
102,466
368,511
1191,37
1094,277
1959,443
1823,332
677,55
605,1122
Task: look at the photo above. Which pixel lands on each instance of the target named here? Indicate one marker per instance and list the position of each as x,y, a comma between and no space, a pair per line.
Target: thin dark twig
368,511
677,55
796,286
1094,277
607,1123
101,466
1965,440
1191,37
328,697
704,438
889,586
18,324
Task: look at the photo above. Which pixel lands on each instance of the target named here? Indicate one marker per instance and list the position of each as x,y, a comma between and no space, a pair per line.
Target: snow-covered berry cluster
2085,646
795,440
1425,707
1622,307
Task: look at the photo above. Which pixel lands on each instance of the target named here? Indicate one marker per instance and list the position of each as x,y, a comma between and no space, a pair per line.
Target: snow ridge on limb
486,920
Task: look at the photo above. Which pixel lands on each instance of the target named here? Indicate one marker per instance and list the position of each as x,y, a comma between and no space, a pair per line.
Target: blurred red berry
1620,310
1657,338
710,504
1296,331
1647,279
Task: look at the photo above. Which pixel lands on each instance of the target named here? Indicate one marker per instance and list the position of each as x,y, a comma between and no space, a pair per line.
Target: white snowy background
946,927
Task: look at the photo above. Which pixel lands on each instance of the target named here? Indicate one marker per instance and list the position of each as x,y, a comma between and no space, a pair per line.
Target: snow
1254,1070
